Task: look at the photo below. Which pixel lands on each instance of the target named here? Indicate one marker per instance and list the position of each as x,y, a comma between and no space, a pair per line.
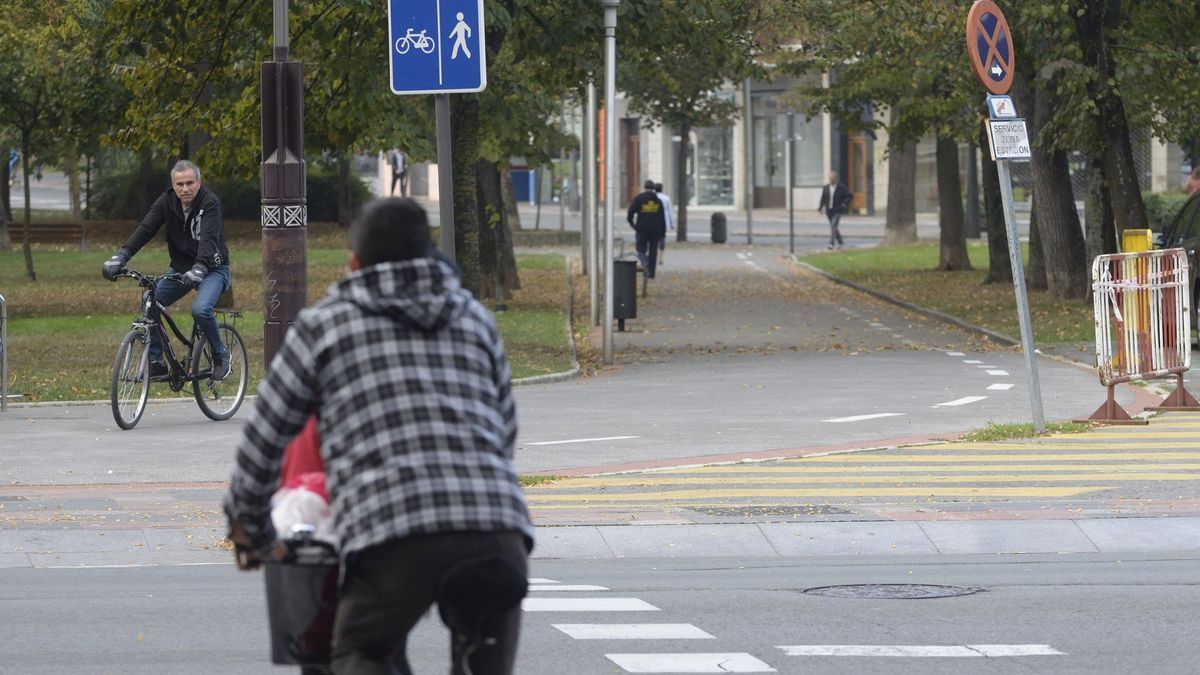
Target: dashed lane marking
998,373
690,663
633,631
955,354
926,651
587,605
563,588
860,418
999,387
972,361
959,401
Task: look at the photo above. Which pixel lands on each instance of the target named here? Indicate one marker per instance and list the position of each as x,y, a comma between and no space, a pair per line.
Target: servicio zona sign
990,46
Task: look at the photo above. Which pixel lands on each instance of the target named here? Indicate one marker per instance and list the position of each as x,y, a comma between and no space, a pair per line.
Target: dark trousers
387,588
647,251
169,290
835,217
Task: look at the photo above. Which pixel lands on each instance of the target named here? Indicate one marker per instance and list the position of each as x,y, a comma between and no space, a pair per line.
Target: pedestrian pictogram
990,47
436,46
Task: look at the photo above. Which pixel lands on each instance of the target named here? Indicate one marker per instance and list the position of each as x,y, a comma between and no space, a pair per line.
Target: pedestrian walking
399,162
835,200
407,375
669,215
646,217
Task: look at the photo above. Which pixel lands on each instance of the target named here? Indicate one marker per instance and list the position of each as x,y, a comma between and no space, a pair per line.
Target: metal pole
284,200
1014,252
585,254
791,205
748,123
3,354
587,219
610,165
441,104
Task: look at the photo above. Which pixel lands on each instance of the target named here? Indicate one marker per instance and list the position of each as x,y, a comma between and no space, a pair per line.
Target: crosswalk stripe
633,631
564,588
925,651
658,481
734,493
826,469
690,663
539,580
586,605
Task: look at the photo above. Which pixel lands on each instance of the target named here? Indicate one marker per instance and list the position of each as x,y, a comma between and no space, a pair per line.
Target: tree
685,51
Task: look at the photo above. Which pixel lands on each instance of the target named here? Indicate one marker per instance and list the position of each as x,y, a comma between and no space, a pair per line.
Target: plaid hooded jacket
407,374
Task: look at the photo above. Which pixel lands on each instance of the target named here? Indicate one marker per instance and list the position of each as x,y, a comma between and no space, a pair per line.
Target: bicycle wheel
130,380
220,399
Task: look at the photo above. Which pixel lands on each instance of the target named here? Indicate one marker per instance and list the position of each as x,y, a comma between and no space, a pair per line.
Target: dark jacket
650,216
840,201
200,240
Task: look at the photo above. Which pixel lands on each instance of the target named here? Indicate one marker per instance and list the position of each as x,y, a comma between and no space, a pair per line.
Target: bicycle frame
179,372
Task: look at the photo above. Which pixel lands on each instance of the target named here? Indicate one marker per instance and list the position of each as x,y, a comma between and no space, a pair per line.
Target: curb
575,369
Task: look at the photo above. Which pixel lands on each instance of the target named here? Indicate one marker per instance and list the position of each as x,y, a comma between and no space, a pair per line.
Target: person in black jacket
196,244
647,217
835,199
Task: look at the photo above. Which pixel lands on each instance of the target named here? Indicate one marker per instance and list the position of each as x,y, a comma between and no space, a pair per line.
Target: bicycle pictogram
413,39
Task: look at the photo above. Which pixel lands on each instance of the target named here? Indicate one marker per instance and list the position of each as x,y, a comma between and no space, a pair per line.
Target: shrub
1161,208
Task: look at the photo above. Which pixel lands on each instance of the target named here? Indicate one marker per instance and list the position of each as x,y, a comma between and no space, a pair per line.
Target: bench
52,233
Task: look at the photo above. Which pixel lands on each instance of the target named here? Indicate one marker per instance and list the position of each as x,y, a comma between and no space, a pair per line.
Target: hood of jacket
423,292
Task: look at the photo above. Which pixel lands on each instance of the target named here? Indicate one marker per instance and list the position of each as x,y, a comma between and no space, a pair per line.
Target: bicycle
413,39
218,399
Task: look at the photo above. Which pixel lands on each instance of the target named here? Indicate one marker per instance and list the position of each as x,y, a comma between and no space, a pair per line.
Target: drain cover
892,591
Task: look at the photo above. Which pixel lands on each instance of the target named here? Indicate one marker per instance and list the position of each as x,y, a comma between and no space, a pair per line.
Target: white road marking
921,650
586,605
859,418
959,401
972,361
690,663
986,367
741,256
564,587
1000,387
998,373
955,354
584,440
633,631
539,580
876,324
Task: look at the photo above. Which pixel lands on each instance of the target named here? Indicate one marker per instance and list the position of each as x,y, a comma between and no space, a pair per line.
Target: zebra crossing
704,661
1159,461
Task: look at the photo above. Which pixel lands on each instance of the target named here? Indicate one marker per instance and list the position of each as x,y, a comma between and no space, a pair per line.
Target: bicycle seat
474,592
225,302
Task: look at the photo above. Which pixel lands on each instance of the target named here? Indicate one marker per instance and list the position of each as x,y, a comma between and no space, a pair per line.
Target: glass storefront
709,166
770,137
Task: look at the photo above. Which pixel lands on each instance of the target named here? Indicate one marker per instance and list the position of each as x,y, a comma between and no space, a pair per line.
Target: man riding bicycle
196,244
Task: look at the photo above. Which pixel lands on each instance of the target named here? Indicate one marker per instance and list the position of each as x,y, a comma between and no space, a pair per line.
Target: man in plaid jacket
407,376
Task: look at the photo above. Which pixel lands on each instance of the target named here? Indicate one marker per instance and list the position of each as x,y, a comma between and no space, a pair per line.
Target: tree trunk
510,197
1097,24
464,142
345,205
29,273
5,204
1058,221
681,184
901,225
999,260
72,159
1036,274
950,209
489,221
1100,235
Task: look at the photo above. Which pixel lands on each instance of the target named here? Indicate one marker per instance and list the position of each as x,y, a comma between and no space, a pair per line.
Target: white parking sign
1008,139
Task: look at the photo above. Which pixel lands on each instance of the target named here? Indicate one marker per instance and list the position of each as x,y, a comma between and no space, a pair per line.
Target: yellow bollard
1137,303
1133,241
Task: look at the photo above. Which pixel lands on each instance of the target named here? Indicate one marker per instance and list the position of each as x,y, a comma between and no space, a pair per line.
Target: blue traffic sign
436,46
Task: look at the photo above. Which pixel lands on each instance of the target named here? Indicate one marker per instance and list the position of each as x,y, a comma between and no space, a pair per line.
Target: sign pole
1014,251
748,122
441,105
791,201
587,218
610,166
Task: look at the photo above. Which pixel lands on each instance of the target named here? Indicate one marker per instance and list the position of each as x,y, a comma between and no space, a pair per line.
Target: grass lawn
65,327
907,273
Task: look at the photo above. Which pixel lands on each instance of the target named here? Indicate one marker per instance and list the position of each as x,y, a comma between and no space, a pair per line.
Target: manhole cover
892,591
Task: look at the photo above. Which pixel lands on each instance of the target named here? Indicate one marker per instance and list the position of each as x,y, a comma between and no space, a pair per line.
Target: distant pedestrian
669,215
647,219
1193,181
399,162
835,200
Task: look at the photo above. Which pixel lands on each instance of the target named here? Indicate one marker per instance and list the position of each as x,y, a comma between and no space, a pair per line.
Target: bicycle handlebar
147,280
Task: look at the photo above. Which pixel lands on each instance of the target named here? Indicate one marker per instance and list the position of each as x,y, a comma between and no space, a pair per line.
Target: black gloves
195,275
113,266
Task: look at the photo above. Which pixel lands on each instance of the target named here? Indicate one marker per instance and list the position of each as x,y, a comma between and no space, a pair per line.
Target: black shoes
158,370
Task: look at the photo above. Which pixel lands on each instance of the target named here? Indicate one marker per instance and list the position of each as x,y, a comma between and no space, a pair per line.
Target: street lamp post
748,124
587,217
284,203
610,165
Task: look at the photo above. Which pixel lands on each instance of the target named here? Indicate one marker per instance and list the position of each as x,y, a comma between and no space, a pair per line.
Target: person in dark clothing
835,200
407,375
647,217
399,162
191,214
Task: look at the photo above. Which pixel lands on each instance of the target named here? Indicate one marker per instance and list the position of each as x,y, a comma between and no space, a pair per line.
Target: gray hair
185,165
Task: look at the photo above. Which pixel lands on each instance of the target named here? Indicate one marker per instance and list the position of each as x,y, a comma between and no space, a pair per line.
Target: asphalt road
1105,615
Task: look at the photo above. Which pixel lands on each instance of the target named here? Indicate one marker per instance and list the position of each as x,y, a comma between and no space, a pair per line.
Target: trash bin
718,227
624,291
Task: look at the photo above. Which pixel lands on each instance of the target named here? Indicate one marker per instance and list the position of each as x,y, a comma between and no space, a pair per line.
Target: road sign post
990,47
437,47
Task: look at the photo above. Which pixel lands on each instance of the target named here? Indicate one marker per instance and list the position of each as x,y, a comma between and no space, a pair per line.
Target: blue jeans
647,251
169,290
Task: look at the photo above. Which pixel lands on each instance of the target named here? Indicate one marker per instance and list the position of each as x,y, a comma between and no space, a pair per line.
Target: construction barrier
1143,324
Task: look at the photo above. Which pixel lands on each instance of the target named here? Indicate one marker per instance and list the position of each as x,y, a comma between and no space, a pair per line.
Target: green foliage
1162,207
